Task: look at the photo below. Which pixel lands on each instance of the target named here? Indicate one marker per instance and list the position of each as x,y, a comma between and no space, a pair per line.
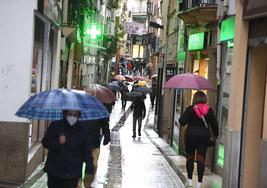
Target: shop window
225,91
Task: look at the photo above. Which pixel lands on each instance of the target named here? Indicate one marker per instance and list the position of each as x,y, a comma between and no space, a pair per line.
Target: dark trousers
199,145
123,103
152,100
139,120
55,182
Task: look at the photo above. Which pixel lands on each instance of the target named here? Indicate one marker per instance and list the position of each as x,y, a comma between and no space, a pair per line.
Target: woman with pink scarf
199,116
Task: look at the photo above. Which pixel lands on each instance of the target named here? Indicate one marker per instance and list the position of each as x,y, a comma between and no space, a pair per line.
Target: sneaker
189,183
134,136
198,185
139,133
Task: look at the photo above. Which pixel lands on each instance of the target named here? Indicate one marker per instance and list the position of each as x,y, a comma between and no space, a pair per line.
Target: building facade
246,130
29,64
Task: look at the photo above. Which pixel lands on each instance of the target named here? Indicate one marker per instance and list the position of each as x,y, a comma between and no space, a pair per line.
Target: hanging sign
134,28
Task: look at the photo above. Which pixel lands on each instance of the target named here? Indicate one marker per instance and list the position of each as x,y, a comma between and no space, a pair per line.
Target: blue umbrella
49,105
143,90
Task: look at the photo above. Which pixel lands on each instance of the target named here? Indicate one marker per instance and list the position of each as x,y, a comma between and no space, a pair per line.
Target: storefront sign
170,72
196,41
181,56
220,159
227,29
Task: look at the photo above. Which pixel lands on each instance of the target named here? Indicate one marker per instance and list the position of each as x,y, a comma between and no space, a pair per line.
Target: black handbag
212,139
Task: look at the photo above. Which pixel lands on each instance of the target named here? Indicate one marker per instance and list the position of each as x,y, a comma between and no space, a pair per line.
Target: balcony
197,12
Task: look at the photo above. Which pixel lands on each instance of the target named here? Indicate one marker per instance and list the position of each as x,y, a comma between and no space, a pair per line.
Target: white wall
16,43
137,5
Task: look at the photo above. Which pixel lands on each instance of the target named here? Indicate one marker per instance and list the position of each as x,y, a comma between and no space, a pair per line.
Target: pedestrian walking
153,94
139,113
95,130
68,147
124,93
200,119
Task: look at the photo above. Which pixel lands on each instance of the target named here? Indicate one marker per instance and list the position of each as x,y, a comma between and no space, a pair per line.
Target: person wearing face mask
68,147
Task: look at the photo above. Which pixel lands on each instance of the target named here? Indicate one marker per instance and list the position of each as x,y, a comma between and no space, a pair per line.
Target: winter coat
93,128
139,108
65,161
196,126
124,93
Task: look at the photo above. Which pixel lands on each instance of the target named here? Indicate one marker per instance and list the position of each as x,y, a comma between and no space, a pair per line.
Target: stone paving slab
142,163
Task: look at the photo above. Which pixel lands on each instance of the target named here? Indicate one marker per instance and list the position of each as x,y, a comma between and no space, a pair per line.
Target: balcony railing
198,3
188,4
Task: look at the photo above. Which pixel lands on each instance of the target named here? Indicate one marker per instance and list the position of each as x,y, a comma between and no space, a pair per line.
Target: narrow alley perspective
133,93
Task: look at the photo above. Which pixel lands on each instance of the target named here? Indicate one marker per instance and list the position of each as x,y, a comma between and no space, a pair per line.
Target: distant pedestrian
199,117
96,129
124,93
153,94
139,113
68,147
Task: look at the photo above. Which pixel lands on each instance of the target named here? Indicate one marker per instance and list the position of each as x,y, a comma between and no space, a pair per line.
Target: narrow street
201,63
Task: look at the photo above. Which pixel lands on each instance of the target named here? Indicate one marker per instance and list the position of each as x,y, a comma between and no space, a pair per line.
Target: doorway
255,116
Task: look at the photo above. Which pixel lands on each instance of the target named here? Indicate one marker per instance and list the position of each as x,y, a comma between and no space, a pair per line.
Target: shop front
227,42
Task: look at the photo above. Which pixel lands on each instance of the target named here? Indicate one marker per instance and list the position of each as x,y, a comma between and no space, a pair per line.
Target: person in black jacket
197,134
68,147
124,86
94,130
139,113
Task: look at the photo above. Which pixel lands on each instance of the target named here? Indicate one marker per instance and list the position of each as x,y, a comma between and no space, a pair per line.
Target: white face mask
72,120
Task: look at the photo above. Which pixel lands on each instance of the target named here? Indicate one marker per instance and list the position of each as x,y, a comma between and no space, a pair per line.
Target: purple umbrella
188,81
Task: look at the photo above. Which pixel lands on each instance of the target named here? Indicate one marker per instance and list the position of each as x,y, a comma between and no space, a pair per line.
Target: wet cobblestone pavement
135,162
142,163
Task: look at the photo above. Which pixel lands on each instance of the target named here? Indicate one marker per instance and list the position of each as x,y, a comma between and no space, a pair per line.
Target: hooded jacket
196,126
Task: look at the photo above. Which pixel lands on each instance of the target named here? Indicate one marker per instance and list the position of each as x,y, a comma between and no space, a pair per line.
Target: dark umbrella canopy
49,105
114,87
134,95
143,90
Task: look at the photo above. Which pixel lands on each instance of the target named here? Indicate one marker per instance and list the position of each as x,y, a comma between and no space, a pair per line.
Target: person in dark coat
68,147
153,94
139,113
197,134
124,93
94,130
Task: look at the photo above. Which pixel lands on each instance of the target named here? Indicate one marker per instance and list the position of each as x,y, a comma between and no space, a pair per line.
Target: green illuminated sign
220,159
196,41
181,56
93,32
228,29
